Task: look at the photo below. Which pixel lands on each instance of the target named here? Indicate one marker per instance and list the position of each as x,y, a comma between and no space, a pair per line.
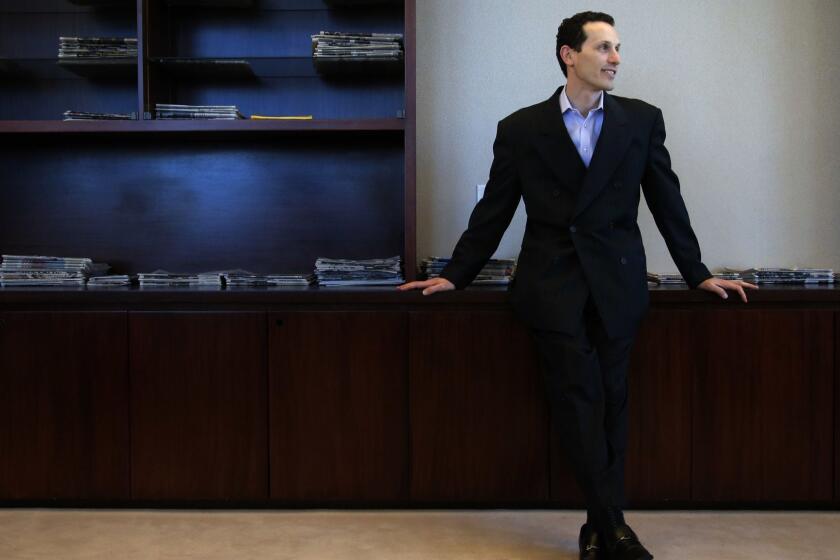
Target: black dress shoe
623,544
590,544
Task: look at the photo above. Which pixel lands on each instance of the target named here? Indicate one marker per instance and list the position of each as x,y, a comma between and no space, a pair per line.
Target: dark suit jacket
581,235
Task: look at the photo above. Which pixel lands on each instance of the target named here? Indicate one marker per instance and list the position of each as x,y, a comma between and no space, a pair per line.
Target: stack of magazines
31,270
245,279
329,45
210,279
788,275
165,111
165,278
346,272
109,281
495,272
676,278
84,116
75,48
665,278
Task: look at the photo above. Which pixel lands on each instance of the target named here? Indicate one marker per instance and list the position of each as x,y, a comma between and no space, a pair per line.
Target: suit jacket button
573,229
623,260
617,184
612,225
556,192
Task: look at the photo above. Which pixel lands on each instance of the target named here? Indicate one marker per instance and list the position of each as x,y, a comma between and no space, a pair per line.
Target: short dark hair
571,32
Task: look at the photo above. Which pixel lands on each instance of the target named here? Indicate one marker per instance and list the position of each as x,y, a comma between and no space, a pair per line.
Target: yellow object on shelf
289,118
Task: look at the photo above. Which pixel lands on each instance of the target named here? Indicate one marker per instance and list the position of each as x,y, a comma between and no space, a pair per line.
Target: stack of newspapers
85,116
75,48
665,278
166,111
330,45
109,281
670,278
495,272
245,279
31,270
164,278
346,272
788,275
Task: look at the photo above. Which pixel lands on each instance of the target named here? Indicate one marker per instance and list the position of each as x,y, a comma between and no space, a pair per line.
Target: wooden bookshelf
359,148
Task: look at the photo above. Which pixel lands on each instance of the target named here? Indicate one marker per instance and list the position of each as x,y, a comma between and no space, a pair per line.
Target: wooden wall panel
198,406
339,406
63,406
479,415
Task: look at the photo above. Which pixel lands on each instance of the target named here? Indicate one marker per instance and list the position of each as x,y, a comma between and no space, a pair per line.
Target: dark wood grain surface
64,426
663,366
269,206
762,393
479,417
339,406
199,415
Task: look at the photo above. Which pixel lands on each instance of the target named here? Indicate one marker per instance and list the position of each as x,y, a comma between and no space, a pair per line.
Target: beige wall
747,88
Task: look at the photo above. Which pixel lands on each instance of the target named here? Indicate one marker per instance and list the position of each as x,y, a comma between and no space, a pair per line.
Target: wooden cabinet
64,426
378,398
479,418
762,399
836,407
662,368
199,414
339,422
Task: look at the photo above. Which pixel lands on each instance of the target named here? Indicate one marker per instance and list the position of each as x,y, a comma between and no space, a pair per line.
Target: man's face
596,65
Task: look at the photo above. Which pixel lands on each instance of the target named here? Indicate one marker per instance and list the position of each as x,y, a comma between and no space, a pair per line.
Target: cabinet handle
279,322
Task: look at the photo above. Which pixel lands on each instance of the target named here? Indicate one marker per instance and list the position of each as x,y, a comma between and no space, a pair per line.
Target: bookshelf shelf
116,68
212,127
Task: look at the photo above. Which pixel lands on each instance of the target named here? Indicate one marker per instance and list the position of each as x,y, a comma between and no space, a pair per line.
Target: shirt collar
566,105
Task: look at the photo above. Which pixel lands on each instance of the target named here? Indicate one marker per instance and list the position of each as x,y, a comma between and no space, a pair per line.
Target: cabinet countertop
666,295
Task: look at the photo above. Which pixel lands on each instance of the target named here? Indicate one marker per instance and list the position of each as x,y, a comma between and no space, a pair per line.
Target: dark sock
615,516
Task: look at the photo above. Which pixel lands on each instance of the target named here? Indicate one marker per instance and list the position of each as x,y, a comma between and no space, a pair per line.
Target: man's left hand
719,286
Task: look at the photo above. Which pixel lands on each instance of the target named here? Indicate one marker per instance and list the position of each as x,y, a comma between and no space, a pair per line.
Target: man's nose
615,58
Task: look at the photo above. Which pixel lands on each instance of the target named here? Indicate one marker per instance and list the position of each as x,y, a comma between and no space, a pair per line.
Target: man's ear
566,54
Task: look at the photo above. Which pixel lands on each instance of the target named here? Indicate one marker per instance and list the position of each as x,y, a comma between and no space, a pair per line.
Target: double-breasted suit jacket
581,236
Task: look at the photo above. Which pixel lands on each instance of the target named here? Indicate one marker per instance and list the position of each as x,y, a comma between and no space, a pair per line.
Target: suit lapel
613,141
555,147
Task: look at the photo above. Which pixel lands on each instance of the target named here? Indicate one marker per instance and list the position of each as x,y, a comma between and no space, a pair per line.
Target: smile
610,73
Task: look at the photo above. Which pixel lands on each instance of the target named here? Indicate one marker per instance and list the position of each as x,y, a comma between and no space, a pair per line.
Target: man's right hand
429,286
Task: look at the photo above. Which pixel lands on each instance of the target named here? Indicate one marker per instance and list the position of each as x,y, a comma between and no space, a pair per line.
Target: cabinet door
339,406
198,406
662,368
479,417
63,406
837,408
763,406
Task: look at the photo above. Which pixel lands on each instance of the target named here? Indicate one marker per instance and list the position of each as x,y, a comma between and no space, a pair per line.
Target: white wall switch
479,192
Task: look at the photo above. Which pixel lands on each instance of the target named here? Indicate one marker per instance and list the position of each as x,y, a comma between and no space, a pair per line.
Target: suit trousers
585,377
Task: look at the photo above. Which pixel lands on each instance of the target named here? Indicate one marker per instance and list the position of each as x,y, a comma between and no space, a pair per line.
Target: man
578,160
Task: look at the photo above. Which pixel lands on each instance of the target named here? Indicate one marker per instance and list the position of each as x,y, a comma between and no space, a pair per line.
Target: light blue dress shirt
583,131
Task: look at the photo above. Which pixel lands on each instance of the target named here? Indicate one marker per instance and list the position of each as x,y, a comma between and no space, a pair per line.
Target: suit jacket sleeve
662,193
490,217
